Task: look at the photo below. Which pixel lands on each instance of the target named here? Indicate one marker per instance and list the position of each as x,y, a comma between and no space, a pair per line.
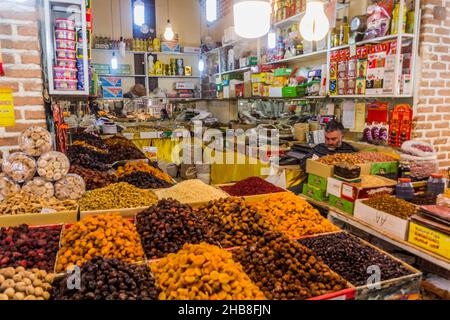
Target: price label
149,135
129,136
7,117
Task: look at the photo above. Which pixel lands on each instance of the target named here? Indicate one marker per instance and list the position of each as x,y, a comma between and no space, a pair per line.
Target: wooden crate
39,219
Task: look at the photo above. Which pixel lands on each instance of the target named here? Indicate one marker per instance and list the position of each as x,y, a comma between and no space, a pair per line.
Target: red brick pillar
21,52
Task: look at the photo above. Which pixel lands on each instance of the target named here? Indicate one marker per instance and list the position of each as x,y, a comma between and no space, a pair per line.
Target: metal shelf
379,39
117,50
300,57
147,52
123,75
175,77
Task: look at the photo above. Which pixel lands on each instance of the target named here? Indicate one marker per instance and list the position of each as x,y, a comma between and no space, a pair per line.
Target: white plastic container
64,24
66,85
65,45
66,54
65,73
65,35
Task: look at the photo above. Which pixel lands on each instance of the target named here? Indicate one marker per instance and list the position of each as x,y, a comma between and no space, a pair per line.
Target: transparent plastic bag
71,187
421,167
40,188
418,148
19,167
35,141
7,186
53,166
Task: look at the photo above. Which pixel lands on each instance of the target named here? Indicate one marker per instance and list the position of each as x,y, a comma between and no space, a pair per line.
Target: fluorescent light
201,65
114,62
139,12
211,10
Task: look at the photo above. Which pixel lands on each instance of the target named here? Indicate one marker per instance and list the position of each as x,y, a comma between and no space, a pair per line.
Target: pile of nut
90,139
141,166
233,222
164,228
7,186
108,236
109,279
203,272
88,158
23,203
293,216
29,247
117,196
94,179
392,205
35,141
144,180
284,269
121,148
350,258
333,159
21,284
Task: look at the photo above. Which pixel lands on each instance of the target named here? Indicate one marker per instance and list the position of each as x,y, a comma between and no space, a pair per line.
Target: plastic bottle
436,184
404,189
156,45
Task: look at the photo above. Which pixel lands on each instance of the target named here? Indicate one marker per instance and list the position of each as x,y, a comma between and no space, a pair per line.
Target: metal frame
50,45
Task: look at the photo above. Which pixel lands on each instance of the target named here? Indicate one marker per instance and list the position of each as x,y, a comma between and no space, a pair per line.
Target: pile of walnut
21,284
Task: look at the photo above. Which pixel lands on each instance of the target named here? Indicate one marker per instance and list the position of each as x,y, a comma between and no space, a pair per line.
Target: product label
7,117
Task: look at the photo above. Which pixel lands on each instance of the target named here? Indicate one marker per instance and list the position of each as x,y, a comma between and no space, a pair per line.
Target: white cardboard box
334,187
275,92
381,220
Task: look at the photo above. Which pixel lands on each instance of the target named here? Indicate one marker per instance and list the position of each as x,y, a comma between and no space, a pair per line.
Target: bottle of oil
344,31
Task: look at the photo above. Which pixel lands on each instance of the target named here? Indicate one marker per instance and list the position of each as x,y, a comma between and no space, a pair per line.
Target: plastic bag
53,166
71,187
35,141
378,21
19,167
418,148
40,188
7,186
421,167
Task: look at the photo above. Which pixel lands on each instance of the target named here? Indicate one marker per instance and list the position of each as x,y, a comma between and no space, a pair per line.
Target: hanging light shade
252,18
314,25
139,12
168,33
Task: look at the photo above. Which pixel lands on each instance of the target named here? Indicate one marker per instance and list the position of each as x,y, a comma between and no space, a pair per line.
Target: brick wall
22,63
433,107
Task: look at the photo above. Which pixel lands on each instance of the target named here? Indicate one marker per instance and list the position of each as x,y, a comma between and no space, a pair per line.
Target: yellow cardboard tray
126,213
39,219
254,198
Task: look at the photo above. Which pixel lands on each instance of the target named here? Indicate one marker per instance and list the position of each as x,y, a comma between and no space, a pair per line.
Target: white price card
149,135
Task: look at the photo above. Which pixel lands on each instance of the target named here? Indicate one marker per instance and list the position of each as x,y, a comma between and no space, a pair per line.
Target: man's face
333,139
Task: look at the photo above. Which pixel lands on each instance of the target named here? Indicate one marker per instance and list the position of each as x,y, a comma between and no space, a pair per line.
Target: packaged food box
170,46
364,189
283,72
64,24
341,204
289,92
111,82
276,92
318,182
315,193
384,167
66,54
66,85
65,45
65,73
65,35
112,92
334,187
381,220
325,170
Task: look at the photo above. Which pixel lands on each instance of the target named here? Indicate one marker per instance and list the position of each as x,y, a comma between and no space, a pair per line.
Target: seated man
334,136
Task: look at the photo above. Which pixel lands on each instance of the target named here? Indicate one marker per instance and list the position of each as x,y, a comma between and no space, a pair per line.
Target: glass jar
436,184
404,189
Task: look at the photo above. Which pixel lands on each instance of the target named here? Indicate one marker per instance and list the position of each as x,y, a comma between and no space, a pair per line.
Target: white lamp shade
251,18
314,25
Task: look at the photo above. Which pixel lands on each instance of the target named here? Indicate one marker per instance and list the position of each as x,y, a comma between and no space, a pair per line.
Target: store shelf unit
325,54
52,9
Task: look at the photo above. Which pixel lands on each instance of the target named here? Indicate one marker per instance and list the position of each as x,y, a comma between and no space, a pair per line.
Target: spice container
404,189
436,184
64,24
66,63
65,73
66,85
65,35
65,45
66,54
